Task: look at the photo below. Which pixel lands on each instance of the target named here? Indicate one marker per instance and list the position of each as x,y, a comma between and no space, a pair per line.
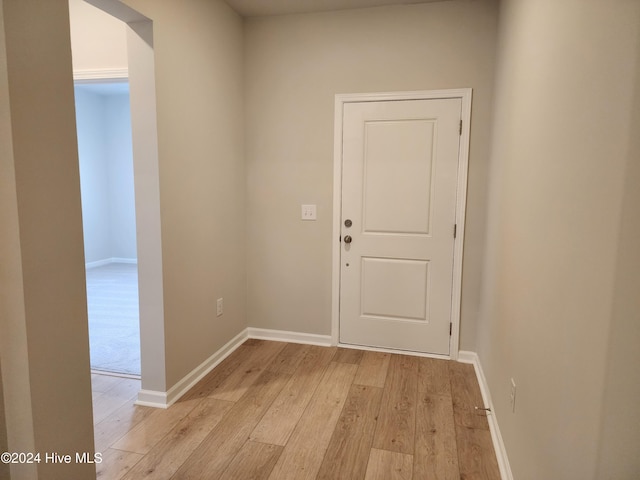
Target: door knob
347,239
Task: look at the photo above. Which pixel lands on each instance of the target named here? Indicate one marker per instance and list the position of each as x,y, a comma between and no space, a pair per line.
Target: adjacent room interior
108,212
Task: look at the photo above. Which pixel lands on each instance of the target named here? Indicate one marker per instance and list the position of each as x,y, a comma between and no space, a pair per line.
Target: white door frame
464,94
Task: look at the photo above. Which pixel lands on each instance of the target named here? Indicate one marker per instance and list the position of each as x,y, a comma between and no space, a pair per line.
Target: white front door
399,178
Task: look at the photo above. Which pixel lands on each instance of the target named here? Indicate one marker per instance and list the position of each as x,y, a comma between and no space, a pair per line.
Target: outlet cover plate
308,212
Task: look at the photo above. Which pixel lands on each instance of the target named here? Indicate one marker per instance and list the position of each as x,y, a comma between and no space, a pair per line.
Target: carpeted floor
114,327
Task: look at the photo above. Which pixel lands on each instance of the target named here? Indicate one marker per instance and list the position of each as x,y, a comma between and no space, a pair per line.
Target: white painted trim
464,94
107,261
461,209
132,261
97,263
286,336
496,436
465,356
149,398
105,75
337,217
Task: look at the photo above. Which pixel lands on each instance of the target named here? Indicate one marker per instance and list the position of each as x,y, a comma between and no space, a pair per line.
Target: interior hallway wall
619,433
557,314
198,48
99,41
295,64
44,344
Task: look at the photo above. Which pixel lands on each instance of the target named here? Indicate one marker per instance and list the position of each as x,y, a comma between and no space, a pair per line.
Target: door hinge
460,131
450,328
455,230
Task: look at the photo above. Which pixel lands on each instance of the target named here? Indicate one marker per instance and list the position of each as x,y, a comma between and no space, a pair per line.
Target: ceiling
257,8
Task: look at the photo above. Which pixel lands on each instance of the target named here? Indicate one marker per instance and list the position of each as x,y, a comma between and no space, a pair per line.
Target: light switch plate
308,212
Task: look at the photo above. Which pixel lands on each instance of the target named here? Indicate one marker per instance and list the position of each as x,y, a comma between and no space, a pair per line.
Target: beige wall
99,40
620,438
44,343
198,49
13,342
565,87
295,65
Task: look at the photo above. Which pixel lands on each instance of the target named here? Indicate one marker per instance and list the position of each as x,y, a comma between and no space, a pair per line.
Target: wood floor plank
278,423
436,453
288,360
125,391
348,355
373,369
239,381
254,462
388,416
212,457
219,374
104,383
303,454
115,464
395,430
476,456
465,393
154,427
116,425
433,376
169,454
385,465
348,451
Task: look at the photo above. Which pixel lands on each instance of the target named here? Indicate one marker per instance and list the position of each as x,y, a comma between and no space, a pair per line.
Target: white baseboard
107,261
97,263
150,398
496,437
133,261
293,337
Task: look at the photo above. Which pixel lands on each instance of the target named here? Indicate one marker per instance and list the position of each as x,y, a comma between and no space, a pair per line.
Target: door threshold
395,350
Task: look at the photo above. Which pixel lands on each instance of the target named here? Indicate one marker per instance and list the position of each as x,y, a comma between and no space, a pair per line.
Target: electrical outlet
512,396
308,212
220,307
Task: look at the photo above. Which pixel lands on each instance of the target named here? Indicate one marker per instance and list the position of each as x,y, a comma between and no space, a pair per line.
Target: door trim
464,94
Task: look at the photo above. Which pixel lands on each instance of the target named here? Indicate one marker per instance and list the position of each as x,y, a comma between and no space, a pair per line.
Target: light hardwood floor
275,410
